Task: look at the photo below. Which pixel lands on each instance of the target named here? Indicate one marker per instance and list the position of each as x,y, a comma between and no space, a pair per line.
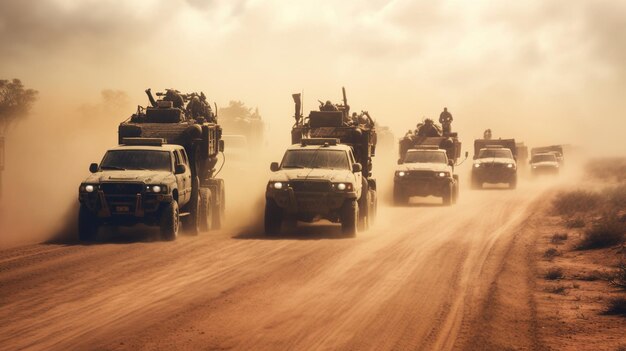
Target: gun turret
297,99
345,101
151,98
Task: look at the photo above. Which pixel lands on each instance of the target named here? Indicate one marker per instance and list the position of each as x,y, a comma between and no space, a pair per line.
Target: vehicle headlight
510,165
401,173
534,167
278,185
156,189
442,174
476,165
90,188
341,186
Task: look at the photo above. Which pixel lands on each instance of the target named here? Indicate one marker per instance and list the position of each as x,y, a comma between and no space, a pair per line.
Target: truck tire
373,207
273,217
87,224
170,221
205,213
218,205
349,218
399,198
448,193
455,193
192,221
513,183
364,206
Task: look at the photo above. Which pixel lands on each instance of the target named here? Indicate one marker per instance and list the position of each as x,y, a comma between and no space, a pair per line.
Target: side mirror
274,166
451,163
180,169
466,154
93,168
220,146
356,167
400,161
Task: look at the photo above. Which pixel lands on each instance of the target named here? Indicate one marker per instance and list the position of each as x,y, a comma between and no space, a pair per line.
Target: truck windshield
137,159
330,159
425,157
543,158
499,153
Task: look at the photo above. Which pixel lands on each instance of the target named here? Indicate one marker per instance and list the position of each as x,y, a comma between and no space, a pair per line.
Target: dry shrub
607,169
551,253
575,201
554,273
577,222
558,238
618,278
606,232
617,306
557,289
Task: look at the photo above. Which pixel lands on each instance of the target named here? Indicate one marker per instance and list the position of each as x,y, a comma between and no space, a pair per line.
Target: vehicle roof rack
143,141
320,141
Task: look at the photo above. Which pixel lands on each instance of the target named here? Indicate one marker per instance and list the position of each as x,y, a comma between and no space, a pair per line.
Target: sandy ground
425,277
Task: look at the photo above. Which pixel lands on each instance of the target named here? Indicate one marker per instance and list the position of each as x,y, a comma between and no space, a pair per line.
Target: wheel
218,205
373,211
455,192
475,184
399,198
192,221
447,195
364,205
170,221
349,218
205,213
273,217
513,183
87,224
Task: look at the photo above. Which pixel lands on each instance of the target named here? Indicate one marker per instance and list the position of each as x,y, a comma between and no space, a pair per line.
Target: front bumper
309,202
124,206
494,174
544,170
422,186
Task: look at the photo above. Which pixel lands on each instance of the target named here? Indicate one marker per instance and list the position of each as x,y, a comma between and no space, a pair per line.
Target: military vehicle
544,163
327,172
237,119
494,162
557,150
163,171
426,164
522,154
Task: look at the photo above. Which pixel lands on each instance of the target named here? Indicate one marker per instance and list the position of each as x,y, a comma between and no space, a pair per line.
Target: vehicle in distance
546,163
425,172
140,181
494,164
317,179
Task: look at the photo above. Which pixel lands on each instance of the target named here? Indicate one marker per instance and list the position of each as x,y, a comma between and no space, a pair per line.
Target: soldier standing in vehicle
445,118
175,97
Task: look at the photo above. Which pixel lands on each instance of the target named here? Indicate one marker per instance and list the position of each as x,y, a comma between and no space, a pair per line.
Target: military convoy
494,162
546,160
327,172
426,164
162,173
238,119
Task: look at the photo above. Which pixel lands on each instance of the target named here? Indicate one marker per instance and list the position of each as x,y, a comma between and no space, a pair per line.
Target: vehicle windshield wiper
113,167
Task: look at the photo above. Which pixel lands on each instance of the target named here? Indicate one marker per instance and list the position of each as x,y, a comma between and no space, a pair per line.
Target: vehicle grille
493,165
421,174
121,188
312,186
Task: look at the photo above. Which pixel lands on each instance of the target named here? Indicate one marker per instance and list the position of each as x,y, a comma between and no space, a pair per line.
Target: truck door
358,175
183,180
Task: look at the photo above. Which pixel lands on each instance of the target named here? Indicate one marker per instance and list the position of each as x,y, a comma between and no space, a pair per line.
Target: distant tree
235,109
15,102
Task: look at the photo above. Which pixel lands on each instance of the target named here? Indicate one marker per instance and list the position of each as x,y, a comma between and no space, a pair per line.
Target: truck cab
316,179
141,181
544,163
425,172
494,164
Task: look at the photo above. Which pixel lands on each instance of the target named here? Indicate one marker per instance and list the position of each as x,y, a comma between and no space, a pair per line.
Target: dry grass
577,222
606,232
616,306
558,238
618,278
569,203
557,289
551,253
554,273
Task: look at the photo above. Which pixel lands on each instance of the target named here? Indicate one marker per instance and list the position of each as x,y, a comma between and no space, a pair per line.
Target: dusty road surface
426,277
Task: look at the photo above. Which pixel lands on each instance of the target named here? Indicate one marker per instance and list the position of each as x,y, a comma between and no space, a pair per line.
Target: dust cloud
542,72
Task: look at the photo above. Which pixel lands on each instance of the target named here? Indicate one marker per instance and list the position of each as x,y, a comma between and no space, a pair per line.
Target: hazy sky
525,69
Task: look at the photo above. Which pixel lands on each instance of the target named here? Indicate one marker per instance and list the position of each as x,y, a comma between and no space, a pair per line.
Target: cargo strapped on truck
143,141
319,141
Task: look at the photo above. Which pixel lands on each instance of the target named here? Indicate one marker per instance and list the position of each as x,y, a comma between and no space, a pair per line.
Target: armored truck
163,173
544,163
426,165
494,162
327,172
557,150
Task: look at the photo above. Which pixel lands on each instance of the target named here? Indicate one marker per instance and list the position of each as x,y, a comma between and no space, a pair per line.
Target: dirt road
426,277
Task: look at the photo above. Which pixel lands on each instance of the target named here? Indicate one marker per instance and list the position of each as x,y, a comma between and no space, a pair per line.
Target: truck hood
333,175
148,177
436,167
494,160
